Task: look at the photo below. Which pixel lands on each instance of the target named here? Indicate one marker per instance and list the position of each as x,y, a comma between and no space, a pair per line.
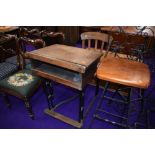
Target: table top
7,28
73,58
129,29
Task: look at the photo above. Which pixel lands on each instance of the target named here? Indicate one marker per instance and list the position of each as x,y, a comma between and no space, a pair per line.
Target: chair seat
22,83
123,71
6,69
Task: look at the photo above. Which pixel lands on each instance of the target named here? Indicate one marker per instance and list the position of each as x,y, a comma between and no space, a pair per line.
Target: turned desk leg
49,91
81,107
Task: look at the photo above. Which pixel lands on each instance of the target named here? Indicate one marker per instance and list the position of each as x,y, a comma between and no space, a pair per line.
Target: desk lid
73,58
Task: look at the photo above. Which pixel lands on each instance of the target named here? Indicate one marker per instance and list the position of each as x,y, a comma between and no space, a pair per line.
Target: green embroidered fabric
20,79
22,82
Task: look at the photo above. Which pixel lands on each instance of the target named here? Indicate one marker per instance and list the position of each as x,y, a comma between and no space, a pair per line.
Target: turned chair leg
99,104
29,108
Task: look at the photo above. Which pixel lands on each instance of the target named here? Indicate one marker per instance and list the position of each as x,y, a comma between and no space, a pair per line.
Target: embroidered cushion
6,69
22,82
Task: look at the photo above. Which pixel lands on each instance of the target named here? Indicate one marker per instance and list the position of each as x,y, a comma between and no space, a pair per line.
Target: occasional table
70,66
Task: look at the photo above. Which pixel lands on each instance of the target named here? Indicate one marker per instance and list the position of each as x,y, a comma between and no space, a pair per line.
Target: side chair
22,84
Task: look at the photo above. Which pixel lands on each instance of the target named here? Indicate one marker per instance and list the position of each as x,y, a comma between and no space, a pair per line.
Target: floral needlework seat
20,79
22,83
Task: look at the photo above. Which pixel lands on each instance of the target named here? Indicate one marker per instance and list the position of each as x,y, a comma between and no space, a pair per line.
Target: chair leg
99,103
142,100
29,108
126,107
148,119
129,105
143,114
6,100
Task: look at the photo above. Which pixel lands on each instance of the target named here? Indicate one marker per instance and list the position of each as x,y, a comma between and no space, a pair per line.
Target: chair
39,33
24,42
96,41
7,42
22,84
6,68
128,72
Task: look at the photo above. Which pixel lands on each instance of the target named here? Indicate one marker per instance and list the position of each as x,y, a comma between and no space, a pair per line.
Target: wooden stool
129,72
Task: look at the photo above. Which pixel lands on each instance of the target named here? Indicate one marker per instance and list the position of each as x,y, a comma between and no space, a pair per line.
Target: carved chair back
134,43
22,44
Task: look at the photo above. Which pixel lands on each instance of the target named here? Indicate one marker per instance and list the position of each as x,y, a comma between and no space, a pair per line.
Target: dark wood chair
7,42
24,42
39,33
128,72
22,84
8,68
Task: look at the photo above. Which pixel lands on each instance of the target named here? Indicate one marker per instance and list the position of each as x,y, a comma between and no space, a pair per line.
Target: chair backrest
48,36
22,44
7,42
133,41
9,51
30,33
101,39
24,41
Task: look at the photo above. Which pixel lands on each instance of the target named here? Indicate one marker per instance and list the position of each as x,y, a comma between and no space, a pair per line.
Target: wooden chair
7,42
7,68
96,41
24,42
127,73
46,35
23,84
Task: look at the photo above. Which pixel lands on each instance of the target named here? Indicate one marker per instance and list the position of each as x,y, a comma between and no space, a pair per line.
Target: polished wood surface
67,65
72,58
123,71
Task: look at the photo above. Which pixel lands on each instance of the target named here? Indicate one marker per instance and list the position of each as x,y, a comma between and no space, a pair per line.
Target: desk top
129,29
73,58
